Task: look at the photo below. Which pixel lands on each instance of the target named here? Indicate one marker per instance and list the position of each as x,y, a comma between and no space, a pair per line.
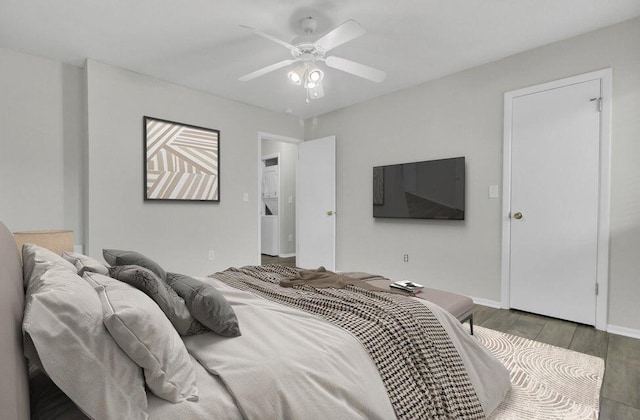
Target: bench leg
470,319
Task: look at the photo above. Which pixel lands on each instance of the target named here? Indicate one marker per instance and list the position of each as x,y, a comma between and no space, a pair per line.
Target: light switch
493,191
245,197
290,199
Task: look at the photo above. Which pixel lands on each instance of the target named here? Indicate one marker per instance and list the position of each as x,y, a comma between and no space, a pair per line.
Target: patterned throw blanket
422,371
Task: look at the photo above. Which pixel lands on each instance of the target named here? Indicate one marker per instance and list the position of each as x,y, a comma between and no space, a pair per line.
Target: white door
315,211
554,201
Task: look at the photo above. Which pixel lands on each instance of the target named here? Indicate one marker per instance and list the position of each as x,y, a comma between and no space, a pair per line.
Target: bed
288,362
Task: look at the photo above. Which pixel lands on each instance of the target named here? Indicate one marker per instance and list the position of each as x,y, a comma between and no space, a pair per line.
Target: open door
315,211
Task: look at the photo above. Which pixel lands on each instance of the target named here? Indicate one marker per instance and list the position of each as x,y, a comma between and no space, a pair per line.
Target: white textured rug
548,382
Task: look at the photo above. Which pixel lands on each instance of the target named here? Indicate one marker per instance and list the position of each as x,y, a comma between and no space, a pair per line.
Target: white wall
41,132
179,235
462,115
288,160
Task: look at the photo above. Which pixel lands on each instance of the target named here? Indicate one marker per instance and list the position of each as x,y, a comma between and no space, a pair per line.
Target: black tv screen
432,189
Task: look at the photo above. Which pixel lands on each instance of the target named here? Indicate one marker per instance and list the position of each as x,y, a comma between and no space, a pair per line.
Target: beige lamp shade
57,241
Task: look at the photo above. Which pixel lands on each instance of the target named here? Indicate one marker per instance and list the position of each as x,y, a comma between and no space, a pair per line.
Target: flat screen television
433,189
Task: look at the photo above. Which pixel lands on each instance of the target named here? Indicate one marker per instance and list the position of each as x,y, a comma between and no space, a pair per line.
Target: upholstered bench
457,305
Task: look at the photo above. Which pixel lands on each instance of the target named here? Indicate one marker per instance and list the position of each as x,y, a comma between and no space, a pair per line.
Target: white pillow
63,319
143,331
85,263
36,260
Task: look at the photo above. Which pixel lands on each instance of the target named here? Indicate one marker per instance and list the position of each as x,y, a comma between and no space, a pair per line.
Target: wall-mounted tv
433,189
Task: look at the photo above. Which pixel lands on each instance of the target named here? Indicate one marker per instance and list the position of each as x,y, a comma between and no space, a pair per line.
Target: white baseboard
287,255
613,329
486,302
627,332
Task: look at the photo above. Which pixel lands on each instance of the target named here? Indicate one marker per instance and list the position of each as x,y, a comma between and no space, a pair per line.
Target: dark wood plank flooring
269,259
620,393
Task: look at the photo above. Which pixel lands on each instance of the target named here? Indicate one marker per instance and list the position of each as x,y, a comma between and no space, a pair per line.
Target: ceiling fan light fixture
316,92
294,78
297,75
315,75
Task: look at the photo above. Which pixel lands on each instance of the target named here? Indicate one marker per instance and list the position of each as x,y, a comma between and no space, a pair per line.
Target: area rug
548,382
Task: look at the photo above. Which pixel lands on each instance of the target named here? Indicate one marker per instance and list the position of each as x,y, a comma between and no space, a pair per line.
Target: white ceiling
198,44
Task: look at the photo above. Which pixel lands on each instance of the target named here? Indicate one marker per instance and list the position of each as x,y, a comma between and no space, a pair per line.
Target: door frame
262,135
602,271
261,206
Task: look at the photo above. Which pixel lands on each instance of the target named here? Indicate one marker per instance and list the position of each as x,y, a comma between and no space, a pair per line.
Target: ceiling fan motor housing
307,53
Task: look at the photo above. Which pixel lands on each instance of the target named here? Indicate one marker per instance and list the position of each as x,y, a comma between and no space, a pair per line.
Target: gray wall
177,234
462,115
41,133
42,152
288,160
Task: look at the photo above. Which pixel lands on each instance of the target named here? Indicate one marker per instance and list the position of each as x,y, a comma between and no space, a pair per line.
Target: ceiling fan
307,54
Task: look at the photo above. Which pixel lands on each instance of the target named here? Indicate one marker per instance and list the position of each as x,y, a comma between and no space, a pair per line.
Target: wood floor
620,394
268,259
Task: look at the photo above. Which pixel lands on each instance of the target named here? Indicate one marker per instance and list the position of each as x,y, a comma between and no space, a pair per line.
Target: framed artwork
181,161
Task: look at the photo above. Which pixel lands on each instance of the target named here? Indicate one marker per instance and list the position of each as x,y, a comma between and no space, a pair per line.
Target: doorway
556,198
270,205
277,197
311,202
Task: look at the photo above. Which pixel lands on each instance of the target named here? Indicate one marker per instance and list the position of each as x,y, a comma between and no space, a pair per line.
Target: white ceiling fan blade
343,33
266,70
270,37
358,69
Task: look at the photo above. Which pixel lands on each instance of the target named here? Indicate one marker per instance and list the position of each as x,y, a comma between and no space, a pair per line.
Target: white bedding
215,401
291,365
260,371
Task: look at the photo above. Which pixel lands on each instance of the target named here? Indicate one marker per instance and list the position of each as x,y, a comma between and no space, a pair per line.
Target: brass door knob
517,215
330,213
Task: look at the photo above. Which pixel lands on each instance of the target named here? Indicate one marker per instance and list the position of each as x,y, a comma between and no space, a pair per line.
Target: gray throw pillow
118,257
206,304
157,289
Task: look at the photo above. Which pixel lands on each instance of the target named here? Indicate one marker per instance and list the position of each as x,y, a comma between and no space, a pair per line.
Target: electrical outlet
405,258
290,238
212,255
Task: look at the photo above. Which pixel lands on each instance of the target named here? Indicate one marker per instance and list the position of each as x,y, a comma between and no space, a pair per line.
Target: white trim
486,302
277,137
262,135
627,332
602,275
604,215
292,254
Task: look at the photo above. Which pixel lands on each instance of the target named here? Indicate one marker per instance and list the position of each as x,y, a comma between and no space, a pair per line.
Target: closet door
555,150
